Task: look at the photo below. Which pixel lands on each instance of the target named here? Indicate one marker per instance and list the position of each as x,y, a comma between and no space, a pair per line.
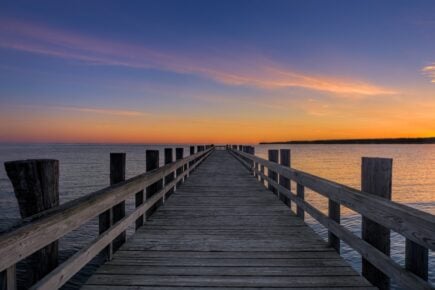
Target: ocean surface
85,168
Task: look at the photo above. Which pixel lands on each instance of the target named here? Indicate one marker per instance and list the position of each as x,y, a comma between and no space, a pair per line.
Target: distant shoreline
429,140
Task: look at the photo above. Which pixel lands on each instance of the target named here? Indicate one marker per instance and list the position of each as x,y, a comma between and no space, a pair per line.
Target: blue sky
333,69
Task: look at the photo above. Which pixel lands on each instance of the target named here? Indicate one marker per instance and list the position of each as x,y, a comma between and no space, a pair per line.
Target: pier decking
223,229
208,221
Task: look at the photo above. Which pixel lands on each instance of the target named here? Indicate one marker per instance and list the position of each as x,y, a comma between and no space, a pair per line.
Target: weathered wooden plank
226,271
231,254
370,253
230,281
226,262
42,229
126,287
245,239
66,270
414,224
376,176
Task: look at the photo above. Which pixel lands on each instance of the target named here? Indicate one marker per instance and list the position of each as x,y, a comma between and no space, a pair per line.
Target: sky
215,71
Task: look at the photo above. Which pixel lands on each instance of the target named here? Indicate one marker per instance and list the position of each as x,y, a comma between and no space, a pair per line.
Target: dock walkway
223,229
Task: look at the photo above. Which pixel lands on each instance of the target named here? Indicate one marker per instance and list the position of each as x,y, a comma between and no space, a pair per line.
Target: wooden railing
379,215
47,227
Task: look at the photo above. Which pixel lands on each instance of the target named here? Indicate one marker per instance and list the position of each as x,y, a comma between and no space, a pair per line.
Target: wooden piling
152,162
285,160
334,214
117,175
417,259
376,178
36,186
168,158
300,192
273,156
179,153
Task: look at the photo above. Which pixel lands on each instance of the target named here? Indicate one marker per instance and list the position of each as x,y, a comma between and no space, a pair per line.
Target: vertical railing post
117,175
285,160
152,162
169,158
192,151
261,176
179,152
417,259
334,214
273,156
8,279
36,186
376,176
300,192
253,163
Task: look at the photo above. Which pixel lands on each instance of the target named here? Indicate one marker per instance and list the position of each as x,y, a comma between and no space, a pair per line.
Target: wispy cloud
112,112
252,71
429,71
88,110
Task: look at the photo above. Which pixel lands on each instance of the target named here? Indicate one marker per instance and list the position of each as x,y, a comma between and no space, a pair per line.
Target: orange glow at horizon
88,126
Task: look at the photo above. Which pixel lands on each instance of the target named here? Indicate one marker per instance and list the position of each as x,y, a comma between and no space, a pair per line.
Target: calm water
85,168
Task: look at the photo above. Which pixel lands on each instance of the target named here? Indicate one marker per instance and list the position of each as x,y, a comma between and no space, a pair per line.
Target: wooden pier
209,221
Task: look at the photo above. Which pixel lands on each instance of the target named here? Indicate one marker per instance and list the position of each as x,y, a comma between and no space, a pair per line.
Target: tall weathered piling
169,158
152,162
285,160
376,178
36,187
117,175
179,152
273,156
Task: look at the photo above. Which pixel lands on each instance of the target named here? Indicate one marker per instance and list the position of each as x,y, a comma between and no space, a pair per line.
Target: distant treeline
429,140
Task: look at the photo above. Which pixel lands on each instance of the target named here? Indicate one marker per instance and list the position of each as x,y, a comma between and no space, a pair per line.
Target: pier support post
334,214
417,259
300,192
169,158
117,175
253,163
273,156
376,176
192,151
36,186
110,216
152,162
179,152
285,160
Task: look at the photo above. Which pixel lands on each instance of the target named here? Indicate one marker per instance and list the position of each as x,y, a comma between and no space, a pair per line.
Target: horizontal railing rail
46,227
417,226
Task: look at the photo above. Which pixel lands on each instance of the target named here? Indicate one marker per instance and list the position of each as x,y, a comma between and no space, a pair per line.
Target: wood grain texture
285,160
223,229
36,186
417,259
66,270
376,177
407,279
42,229
117,175
414,224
